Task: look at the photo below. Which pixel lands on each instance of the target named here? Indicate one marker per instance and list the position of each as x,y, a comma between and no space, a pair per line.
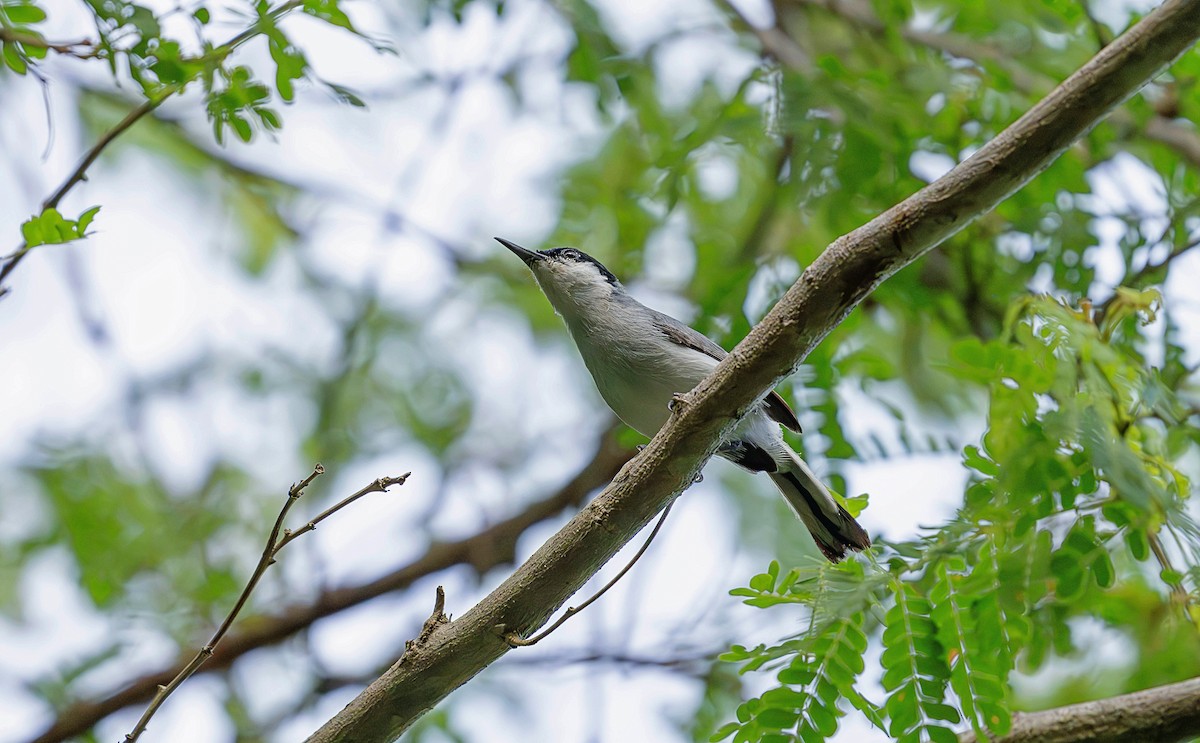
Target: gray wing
677,332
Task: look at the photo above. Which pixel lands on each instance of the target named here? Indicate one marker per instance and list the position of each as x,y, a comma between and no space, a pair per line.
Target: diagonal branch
844,274
488,549
517,641
278,539
1163,714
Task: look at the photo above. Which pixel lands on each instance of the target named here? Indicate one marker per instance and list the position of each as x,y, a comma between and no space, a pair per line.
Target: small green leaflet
50,228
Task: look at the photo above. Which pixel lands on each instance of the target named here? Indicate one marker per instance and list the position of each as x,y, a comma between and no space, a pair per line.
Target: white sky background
160,276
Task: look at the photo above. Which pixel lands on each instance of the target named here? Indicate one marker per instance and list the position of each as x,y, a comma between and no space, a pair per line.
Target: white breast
638,373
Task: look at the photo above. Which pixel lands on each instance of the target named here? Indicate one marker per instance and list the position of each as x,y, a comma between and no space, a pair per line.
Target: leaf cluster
1076,477
133,39
50,228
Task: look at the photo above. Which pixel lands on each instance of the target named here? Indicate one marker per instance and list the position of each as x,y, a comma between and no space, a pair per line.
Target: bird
641,359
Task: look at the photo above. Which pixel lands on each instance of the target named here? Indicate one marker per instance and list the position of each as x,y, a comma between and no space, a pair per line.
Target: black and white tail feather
832,527
640,358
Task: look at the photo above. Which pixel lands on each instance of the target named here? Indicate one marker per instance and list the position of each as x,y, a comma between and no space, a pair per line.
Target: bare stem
489,548
278,538
378,486
515,640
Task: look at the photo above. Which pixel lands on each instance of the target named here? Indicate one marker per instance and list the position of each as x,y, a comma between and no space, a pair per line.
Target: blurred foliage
1071,401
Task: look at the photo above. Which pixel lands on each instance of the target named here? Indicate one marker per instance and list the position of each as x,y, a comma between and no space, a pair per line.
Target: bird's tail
833,529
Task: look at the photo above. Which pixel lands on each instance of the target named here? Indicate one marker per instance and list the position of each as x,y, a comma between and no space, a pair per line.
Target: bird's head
570,278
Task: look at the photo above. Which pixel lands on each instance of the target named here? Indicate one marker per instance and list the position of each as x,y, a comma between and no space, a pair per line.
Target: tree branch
264,562
517,641
488,549
845,273
1164,714
276,541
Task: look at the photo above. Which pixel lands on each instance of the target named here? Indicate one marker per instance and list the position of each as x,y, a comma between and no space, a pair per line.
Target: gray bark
848,270
1164,714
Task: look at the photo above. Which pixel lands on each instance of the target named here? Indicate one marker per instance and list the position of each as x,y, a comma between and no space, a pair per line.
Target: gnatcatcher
640,358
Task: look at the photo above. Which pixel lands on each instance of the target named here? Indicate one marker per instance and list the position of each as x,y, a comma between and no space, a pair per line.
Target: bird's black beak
529,256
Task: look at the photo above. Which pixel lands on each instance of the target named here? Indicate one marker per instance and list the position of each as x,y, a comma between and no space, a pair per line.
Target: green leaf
915,677
1171,577
85,219
824,720
801,676
1102,569
773,718
941,735
241,127
145,21
24,13
50,227
783,697
270,119
763,582
975,459
856,504
1066,568
31,231
13,58
328,11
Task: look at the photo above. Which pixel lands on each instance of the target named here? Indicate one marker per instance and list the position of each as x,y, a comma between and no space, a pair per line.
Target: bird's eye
571,253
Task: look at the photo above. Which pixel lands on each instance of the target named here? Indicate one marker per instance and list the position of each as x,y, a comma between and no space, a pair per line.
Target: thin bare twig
378,486
516,641
274,544
1150,269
